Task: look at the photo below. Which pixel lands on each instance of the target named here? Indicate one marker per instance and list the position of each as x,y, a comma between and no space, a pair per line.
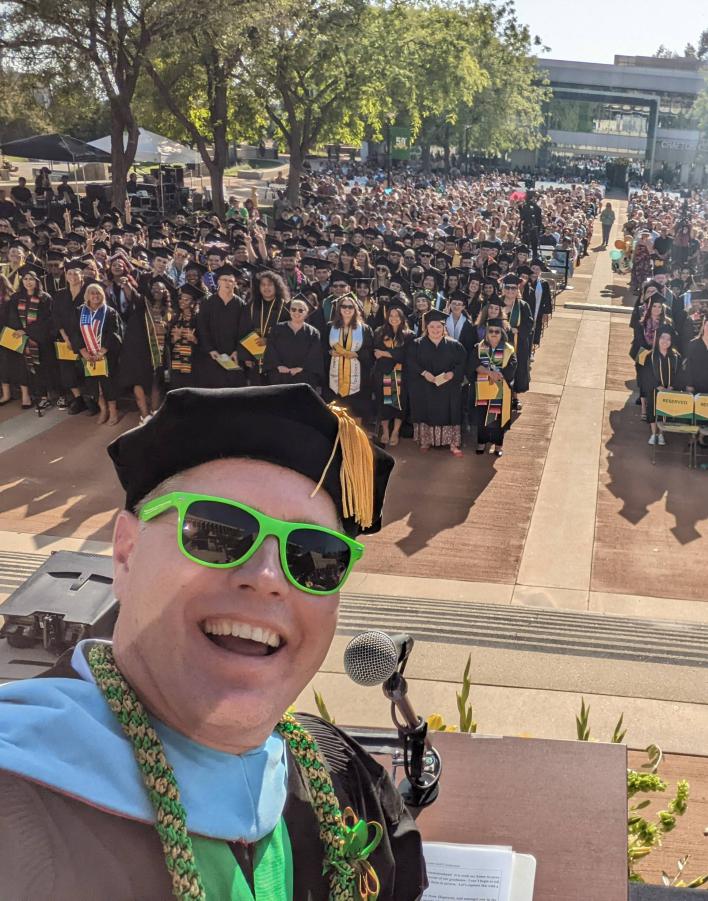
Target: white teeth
241,630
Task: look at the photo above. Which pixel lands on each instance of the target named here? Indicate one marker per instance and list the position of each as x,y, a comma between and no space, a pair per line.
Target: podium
565,802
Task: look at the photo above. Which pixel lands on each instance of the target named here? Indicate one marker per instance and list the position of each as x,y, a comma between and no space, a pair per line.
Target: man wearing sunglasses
165,764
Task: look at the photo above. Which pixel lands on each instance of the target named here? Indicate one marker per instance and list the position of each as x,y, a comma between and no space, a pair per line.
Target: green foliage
582,722
464,708
322,708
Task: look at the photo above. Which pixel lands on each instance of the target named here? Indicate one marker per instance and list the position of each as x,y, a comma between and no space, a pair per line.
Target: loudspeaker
69,598
99,192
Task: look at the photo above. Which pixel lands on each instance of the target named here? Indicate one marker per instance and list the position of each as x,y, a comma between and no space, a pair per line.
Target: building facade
638,109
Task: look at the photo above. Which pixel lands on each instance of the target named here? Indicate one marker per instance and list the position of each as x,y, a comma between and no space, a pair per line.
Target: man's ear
125,536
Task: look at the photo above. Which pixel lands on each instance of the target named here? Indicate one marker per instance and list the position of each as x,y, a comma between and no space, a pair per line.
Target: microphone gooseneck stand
421,762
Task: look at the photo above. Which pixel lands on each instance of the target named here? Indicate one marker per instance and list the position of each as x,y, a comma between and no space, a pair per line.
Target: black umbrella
56,148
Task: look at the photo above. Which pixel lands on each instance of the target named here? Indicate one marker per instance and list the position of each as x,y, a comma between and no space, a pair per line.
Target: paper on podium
477,873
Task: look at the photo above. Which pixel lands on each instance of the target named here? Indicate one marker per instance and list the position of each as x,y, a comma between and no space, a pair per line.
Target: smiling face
228,694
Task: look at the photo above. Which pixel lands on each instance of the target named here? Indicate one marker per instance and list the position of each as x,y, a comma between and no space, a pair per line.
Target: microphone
372,657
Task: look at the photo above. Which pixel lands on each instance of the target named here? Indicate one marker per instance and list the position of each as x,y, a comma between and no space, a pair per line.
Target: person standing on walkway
607,220
493,367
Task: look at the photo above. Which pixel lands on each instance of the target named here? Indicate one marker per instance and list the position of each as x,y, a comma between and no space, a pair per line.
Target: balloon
615,254
620,245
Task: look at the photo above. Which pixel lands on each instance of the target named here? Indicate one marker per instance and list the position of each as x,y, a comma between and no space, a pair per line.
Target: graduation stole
156,336
28,311
664,367
392,381
91,326
345,369
495,396
181,358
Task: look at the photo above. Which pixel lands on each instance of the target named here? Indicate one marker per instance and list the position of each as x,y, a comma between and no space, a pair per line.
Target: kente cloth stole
181,360
344,371
499,405
28,311
393,381
91,325
272,868
155,326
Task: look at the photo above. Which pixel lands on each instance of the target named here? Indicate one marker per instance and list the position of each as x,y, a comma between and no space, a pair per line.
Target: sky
594,30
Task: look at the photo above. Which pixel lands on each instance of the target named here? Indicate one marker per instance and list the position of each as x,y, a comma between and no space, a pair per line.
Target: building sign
677,145
400,139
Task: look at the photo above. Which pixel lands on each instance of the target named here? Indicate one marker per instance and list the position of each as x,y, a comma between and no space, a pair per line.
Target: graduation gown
65,316
696,366
137,366
538,310
221,327
659,371
391,405
296,350
27,367
111,339
521,319
358,402
58,847
432,405
262,317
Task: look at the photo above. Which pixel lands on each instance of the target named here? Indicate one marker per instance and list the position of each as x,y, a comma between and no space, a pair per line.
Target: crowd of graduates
418,305
664,237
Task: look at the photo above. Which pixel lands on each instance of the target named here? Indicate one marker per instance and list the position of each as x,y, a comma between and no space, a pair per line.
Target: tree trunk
121,158
216,174
425,156
297,158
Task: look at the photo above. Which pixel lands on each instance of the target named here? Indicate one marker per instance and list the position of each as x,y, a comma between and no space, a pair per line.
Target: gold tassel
357,470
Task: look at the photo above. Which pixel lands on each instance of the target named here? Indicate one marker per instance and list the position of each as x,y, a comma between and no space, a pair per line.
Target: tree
110,37
308,70
198,84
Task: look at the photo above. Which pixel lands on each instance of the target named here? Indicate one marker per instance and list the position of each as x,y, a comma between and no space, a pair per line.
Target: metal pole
388,153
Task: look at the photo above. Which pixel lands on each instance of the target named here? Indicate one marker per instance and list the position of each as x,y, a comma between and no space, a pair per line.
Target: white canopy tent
153,148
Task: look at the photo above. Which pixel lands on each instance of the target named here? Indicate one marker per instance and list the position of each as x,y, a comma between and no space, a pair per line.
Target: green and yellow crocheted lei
344,837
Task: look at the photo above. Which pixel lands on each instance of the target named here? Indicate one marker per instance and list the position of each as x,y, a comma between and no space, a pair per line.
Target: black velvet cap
288,425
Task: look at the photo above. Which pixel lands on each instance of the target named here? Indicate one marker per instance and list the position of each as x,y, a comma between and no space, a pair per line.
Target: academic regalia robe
262,317
111,339
221,327
58,847
521,319
696,366
659,371
65,316
142,353
390,376
539,308
357,401
296,350
6,365
182,354
34,317
430,404
492,428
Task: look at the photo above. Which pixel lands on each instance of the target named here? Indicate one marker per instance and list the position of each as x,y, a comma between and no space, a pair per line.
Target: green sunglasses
222,533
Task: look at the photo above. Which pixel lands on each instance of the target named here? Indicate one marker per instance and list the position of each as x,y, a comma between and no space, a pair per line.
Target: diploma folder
63,352
254,344
477,873
99,368
9,342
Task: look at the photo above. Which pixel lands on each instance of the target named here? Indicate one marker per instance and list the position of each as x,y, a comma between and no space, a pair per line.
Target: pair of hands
93,358
283,370
379,354
182,332
429,377
214,354
19,333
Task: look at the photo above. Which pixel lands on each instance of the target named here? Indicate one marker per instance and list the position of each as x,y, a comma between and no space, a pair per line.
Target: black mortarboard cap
227,269
511,280
192,290
55,256
435,316
32,269
287,425
339,276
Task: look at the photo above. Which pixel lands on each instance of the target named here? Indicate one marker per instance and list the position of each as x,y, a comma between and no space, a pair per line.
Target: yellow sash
344,352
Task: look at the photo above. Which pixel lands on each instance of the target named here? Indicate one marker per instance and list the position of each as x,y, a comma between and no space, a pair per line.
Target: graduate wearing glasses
493,367
349,344
164,764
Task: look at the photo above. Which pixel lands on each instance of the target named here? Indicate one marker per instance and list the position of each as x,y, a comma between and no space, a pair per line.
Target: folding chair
701,414
675,414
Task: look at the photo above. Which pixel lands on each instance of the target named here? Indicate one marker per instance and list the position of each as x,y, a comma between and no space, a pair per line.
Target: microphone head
370,658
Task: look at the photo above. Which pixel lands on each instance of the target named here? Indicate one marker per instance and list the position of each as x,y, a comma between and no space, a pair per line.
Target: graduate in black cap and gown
391,347
30,317
436,365
184,338
222,323
349,345
537,294
294,351
268,307
492,371
520,319
65,314
186,711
